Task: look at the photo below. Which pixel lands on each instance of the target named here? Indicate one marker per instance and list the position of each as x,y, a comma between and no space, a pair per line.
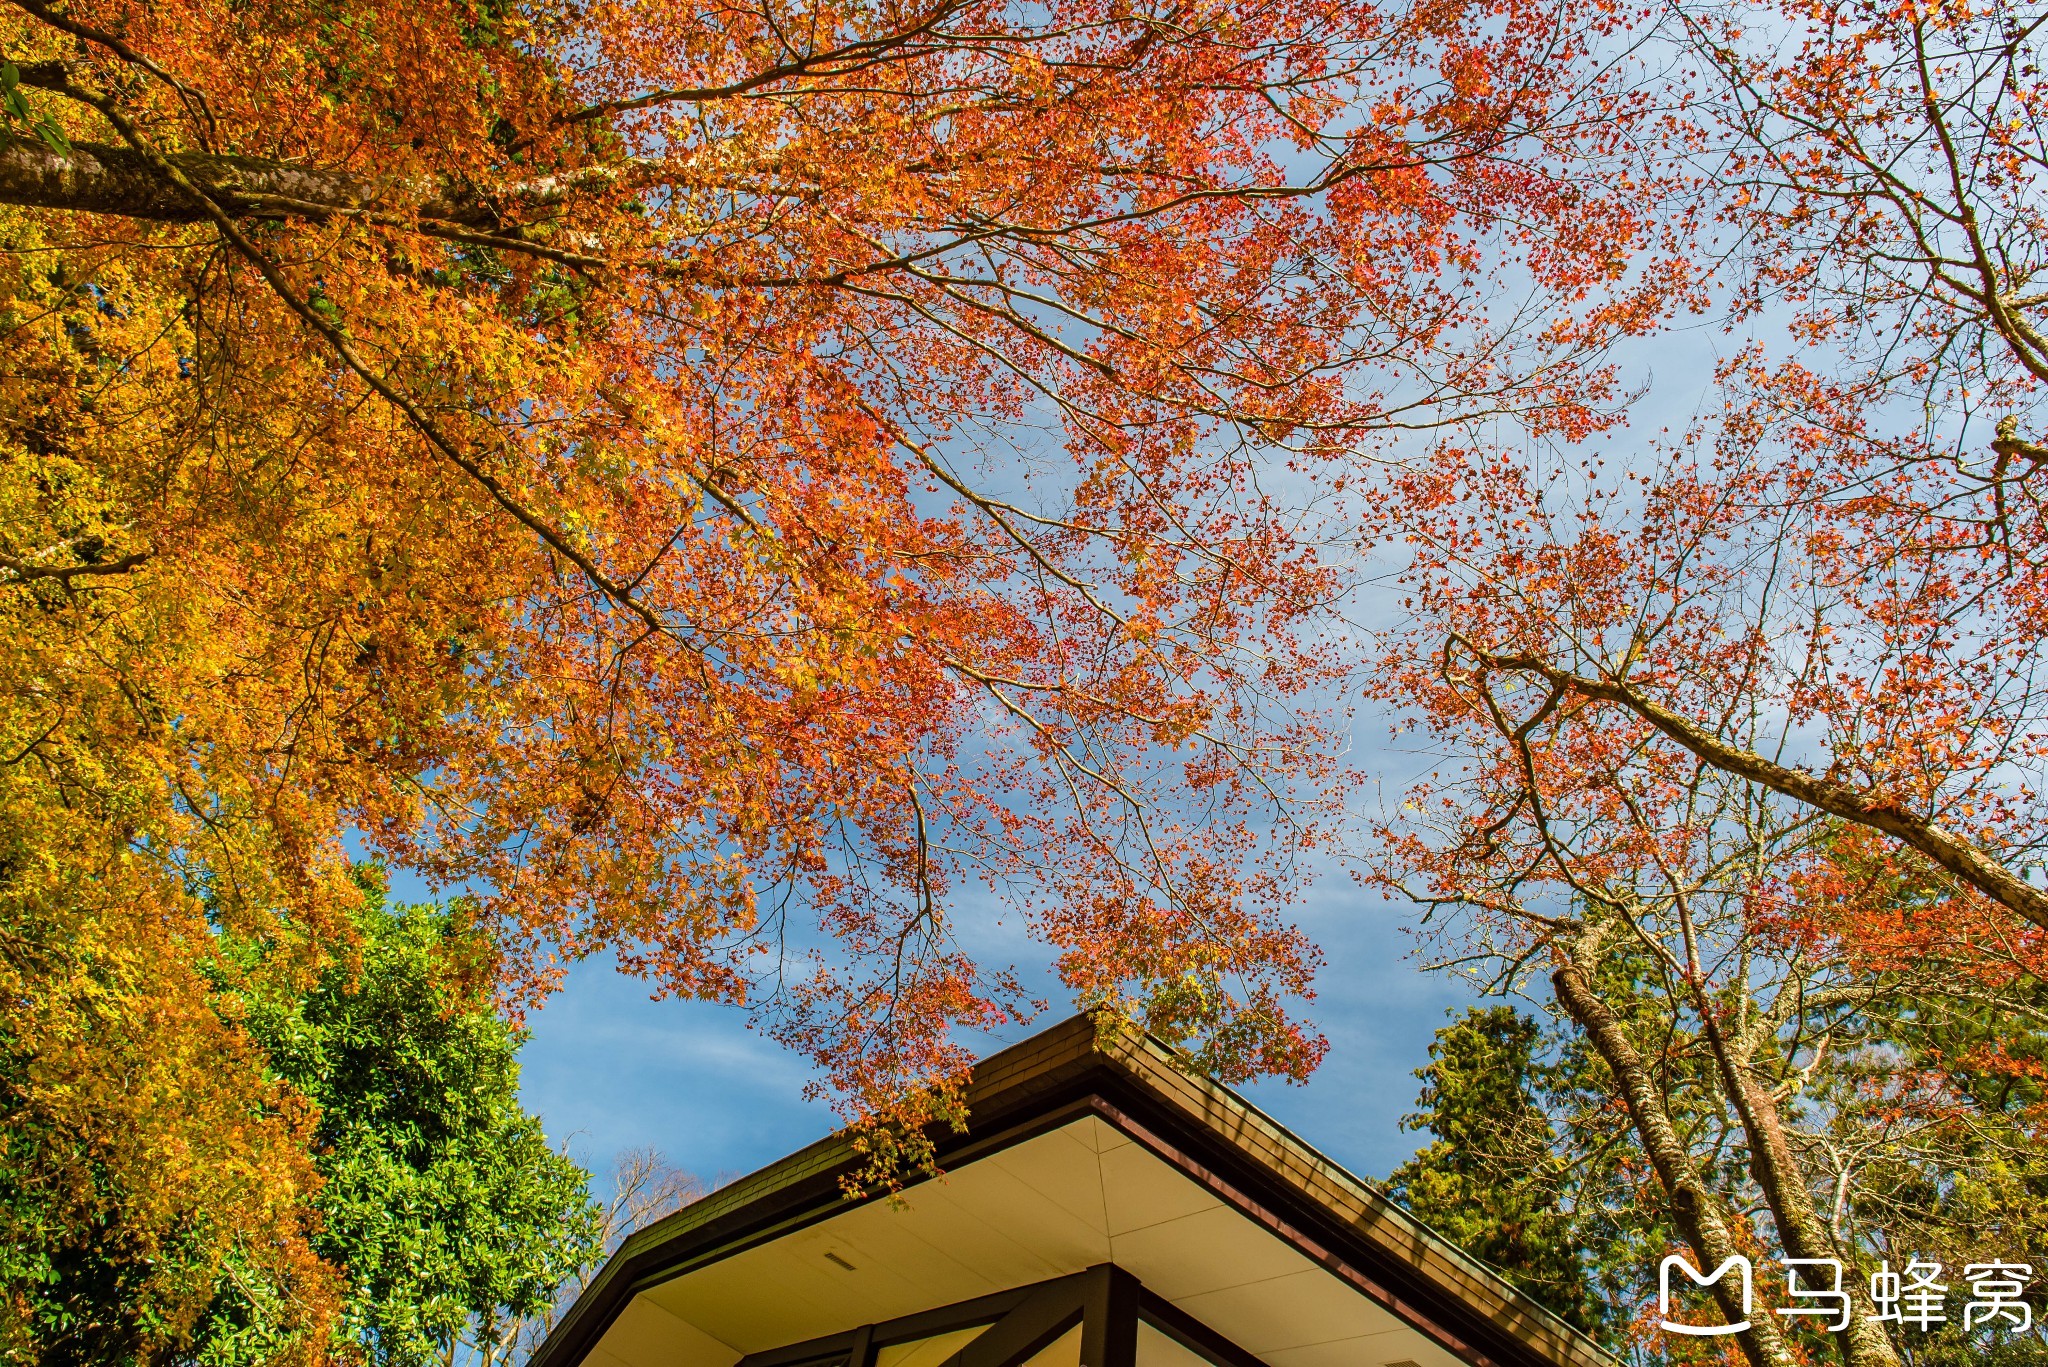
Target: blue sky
608,1069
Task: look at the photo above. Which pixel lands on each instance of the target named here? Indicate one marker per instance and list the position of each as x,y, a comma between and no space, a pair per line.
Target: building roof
1088,1145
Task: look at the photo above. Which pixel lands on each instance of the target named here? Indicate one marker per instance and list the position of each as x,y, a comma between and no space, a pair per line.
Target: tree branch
852,57
175,176
23,571
102,179
1917,832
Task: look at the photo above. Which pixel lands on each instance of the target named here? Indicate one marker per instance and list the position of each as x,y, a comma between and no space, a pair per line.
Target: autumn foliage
720,483
1754,707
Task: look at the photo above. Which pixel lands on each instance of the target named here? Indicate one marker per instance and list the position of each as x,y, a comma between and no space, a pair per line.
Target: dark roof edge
1135,1082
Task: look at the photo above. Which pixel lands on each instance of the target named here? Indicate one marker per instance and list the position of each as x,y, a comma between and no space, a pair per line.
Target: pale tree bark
100,178
1783,1182
1698,1213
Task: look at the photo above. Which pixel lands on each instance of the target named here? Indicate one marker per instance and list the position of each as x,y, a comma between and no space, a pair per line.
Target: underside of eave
1358,1223
1044,1081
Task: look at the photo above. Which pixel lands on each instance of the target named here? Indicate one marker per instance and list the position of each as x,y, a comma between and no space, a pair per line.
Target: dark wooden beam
1052,1309
923,1325
1109,1331
1105,1301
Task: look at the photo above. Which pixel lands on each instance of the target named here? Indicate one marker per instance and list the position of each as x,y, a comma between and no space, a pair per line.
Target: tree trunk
1698,1213
1776,1170
101,179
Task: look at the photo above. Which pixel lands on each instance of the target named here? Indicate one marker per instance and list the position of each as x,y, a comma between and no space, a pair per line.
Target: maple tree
1763,705
716,482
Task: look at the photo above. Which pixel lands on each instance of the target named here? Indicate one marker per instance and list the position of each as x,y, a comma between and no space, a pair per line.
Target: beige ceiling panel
1090,1130
1018,1217
1156,1349
1064,1351
971,1221
1377,1350
973,1261
1049,1228
1062,1201
927,1352
1061,1168
983,1228
1289,1312
789,1290
1207,1251
646,1335
1112,1137
1140,1191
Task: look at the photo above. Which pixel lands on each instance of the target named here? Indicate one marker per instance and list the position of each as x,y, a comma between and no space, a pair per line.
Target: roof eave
1134,1081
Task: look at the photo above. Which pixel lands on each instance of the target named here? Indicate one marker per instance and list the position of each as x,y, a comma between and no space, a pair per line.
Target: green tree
1534,1169
450,1216
1533,1173
1492,1180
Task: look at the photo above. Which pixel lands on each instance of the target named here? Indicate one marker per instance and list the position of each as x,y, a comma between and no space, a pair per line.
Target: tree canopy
441,1217
445,1211
727,486
556,429
1761,699
1495,1178
720,483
